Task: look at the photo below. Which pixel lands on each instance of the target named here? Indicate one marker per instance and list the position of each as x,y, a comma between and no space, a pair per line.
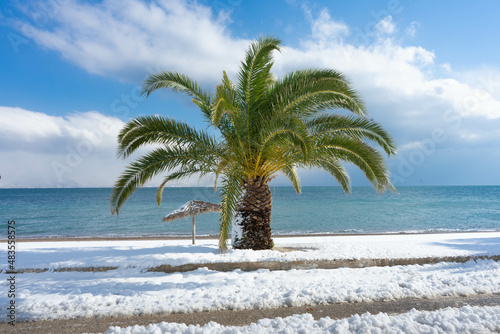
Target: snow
193,207
450,320
132,290
64,295
151,253
236,229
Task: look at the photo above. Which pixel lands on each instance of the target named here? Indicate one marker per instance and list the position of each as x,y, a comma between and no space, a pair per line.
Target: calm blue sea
85,212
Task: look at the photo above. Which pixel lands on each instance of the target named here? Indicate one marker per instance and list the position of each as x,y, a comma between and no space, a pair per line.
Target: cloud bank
127,39
39,150
438,116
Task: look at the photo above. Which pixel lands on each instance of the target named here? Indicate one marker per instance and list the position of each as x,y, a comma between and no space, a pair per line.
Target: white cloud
385,26
447,67
387,72
411,30
325,30
128,39
50,151
430,116
29,131
79,150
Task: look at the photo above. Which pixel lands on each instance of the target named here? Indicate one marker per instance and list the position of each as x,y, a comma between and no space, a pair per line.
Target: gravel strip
246,317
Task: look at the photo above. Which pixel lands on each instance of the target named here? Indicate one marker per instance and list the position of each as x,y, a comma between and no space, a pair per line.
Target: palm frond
182,174
254,78
307,92
281,132
254,74
224,101
178,83
335,168
155,129
354,127
291,174
362,155
154,163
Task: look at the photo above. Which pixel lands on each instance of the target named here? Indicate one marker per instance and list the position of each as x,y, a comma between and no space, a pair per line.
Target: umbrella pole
194,229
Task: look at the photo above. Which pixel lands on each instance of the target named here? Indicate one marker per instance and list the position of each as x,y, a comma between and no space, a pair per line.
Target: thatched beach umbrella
192,208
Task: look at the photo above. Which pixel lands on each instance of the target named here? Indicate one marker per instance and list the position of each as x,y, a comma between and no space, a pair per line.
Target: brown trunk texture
255,212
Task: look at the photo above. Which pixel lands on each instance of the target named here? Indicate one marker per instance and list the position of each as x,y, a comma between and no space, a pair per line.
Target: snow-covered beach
129,288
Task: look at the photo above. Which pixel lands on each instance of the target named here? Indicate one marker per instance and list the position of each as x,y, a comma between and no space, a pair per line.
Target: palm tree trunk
253,218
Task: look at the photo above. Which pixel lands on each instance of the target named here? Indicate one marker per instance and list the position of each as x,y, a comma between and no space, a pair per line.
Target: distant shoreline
208,237
277,186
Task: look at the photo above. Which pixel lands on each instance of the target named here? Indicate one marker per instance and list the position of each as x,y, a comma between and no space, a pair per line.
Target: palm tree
265,126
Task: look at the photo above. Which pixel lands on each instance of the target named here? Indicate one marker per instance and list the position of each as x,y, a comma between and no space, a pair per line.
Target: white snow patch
236,229
150,253
450,320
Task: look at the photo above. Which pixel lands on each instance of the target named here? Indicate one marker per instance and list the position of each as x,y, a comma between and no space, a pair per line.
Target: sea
84,212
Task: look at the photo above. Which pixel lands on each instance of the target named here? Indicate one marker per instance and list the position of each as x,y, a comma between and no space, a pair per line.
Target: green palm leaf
310,91
147,130
179,83
354,127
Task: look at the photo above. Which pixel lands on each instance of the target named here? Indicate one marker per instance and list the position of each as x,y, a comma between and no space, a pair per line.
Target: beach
157,279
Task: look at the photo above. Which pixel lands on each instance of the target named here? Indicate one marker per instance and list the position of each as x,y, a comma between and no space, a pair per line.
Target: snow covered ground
65,295
150,253
131,290
450,320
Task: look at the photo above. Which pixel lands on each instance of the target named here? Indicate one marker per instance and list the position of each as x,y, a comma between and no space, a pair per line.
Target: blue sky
70,73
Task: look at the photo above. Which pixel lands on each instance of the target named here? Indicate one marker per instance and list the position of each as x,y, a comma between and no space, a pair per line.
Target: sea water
82,212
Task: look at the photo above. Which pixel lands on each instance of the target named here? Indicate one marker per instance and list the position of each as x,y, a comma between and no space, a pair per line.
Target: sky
71,72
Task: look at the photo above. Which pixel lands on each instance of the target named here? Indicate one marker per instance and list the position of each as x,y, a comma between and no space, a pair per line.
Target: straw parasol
192,208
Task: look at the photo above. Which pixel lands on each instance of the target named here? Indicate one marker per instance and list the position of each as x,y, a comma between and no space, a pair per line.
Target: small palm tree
265,126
